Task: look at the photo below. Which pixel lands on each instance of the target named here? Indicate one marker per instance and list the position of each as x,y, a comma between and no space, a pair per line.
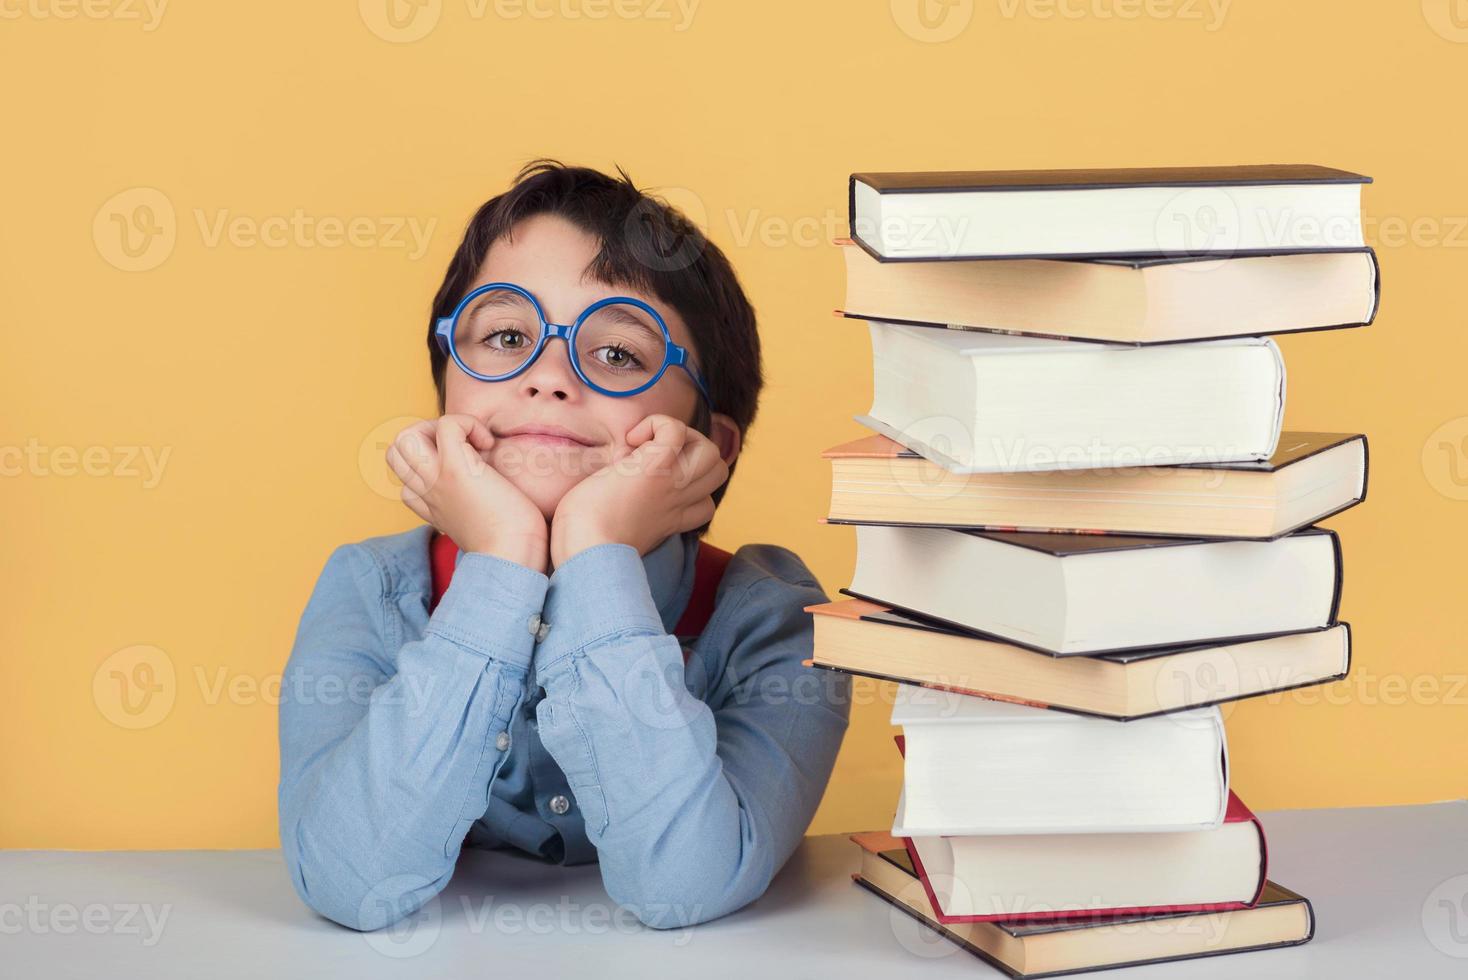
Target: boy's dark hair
646,244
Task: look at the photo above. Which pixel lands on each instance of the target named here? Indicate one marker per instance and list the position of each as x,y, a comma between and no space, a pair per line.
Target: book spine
1376,287
1340,574
1365,468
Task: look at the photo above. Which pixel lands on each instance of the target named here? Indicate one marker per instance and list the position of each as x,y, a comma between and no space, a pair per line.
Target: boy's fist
448,482
661,485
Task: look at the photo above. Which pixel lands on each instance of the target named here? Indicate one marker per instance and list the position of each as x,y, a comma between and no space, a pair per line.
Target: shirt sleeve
692,807
388,749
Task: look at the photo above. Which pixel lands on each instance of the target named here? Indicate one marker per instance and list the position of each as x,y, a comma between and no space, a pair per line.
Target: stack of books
1080,529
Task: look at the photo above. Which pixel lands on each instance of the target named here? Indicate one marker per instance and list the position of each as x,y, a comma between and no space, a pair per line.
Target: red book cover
1236,812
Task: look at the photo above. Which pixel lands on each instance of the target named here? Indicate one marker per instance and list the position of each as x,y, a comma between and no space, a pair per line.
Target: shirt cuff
491,607
599,592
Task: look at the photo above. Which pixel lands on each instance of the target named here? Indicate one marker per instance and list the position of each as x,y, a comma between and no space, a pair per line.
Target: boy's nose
551,373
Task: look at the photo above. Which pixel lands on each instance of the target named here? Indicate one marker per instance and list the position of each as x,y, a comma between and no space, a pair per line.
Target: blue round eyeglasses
619,346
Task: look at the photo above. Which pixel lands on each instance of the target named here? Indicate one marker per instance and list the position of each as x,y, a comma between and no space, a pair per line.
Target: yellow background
264,371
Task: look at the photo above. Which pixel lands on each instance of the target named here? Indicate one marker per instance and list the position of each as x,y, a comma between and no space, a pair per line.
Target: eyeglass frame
674,354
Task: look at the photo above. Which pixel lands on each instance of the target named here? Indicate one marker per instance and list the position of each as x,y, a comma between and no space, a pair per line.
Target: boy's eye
615,356
507,338
619,347
497,325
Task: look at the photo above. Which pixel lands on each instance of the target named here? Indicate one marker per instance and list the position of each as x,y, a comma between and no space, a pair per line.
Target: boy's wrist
527,550
568,541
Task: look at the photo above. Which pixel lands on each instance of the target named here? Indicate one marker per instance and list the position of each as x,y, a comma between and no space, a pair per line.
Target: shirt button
538,627
502,741
559,804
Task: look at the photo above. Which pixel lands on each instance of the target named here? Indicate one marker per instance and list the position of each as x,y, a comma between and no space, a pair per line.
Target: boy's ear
724,433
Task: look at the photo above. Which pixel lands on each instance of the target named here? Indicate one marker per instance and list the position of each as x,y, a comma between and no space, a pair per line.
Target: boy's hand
661,485
448,481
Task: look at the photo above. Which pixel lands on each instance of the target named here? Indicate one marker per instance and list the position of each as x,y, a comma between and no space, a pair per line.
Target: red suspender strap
441,555
708,569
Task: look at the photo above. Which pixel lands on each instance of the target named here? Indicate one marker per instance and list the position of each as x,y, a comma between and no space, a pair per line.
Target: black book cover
947,181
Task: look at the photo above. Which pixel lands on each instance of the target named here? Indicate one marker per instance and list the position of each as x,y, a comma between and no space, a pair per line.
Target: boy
506,675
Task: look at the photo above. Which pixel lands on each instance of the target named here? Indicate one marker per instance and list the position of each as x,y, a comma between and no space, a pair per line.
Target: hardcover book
1156,300
1310,476
865,638
1084,594
1029,949
1232,210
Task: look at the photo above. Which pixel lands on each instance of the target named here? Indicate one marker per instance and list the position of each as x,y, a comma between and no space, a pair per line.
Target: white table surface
1389,886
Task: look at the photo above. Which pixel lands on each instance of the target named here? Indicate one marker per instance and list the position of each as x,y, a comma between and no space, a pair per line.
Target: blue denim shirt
404,736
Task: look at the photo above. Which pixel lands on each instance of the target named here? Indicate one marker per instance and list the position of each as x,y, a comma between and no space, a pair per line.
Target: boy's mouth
545,434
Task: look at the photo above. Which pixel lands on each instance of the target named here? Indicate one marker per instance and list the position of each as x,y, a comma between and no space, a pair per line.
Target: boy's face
548,256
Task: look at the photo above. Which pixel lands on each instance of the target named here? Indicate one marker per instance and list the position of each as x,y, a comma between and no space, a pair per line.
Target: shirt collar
669,567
